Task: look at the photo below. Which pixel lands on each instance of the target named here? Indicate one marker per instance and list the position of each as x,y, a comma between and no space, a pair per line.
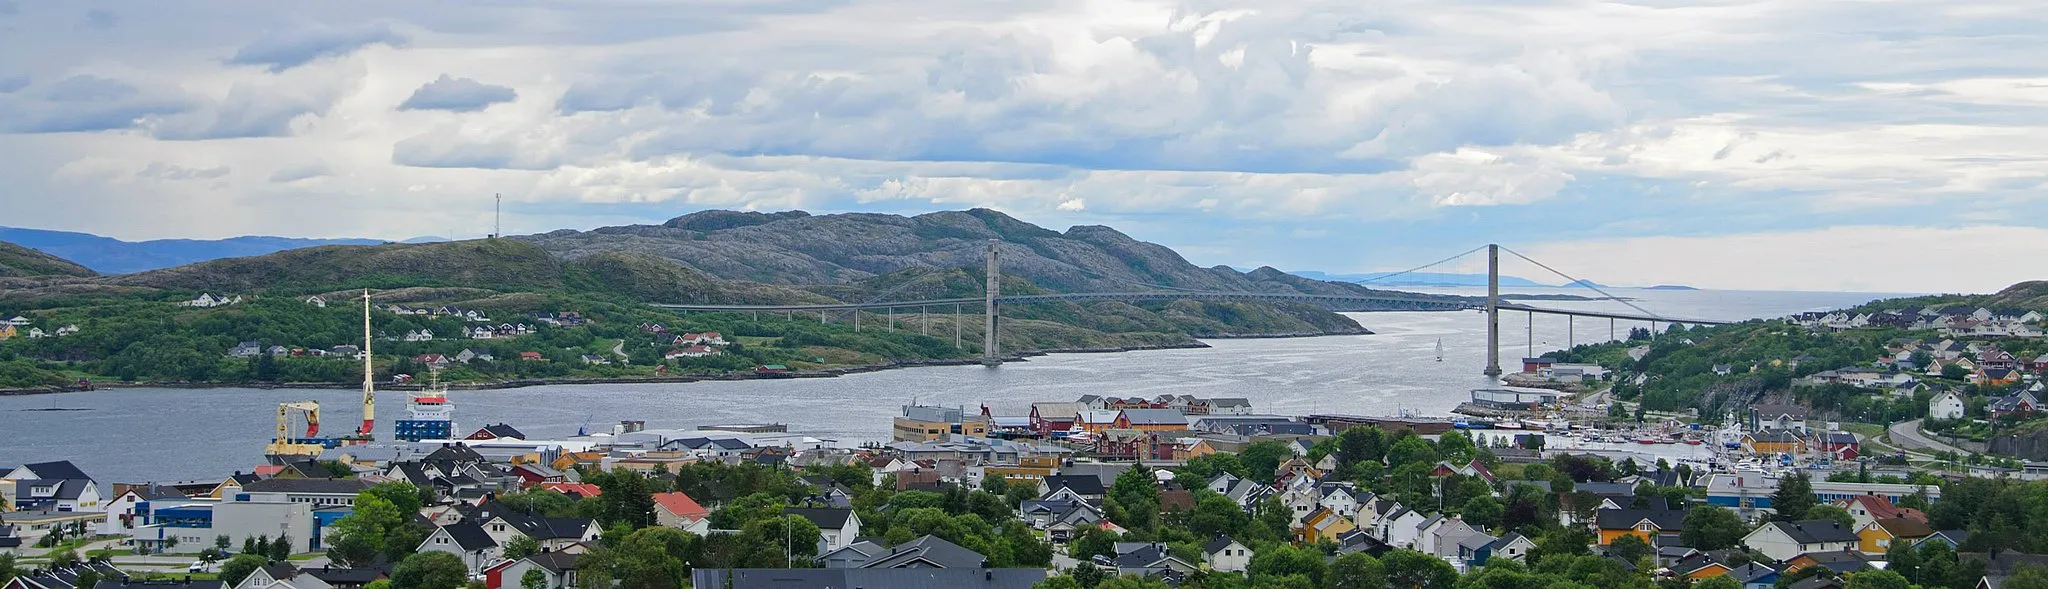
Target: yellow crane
285,447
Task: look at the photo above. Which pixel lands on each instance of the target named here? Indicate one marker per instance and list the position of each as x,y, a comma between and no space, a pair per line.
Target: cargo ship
429,415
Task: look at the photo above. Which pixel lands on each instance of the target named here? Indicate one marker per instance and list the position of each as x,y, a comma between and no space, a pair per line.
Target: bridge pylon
1492,310
990,354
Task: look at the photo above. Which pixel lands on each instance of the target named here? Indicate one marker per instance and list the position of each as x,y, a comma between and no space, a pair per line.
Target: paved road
1906,434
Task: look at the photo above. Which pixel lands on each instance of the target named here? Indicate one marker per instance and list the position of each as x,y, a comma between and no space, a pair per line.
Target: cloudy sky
1799,144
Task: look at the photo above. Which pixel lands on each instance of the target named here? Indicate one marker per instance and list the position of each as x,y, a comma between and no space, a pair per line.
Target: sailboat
1439,349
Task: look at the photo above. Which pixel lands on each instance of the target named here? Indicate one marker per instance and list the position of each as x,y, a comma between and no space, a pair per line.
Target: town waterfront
167,434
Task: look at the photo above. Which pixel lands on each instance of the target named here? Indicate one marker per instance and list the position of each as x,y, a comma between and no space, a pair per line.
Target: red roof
1881,508
269,469
578,489
681,505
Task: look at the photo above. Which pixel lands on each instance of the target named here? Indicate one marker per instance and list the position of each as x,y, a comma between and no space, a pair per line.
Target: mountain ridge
107,255
22,261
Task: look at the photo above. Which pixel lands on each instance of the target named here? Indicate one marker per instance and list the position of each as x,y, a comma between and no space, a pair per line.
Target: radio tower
497,215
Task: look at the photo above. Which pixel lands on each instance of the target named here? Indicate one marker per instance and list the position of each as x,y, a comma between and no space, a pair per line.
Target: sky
1889,145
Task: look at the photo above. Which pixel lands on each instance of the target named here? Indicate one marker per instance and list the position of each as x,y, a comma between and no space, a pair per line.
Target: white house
424,335
836,527
1783,540
316,301
1226,555
1946,406
1401,527
557,568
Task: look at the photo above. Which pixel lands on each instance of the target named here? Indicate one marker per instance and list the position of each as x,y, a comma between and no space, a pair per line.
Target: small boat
1509,424
1464,423
1693,442
1439,349
1649,441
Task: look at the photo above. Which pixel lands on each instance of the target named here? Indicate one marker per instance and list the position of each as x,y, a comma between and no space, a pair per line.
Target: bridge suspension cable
1585,283
1420,268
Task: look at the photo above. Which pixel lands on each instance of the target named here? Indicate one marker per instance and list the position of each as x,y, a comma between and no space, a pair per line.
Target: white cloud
1425,127
1854,258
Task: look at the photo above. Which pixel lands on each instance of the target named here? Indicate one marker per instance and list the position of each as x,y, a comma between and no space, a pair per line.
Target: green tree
995,483
1411,450
1457,448
281,548
221,543
1088,575
1215,515
376,526
430,570
1092,543
1356,571
533,579
1629,547
1831,512
1720,582
402,495
1408,569
1904,560
1262,458
1793,497
2027,577
521,547
1709,527
1282,560
1878,579
1483,512
235,569
1361,444
87,579
63,558
627,498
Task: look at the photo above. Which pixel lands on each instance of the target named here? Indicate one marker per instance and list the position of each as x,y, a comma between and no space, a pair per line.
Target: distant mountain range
107,255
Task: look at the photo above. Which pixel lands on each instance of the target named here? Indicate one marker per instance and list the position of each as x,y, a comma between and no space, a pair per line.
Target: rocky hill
797,248
17,261
2031,295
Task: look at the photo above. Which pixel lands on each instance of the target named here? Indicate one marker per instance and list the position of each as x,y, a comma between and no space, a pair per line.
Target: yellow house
7,332
1877,537
1324,524
1711,570
1642,523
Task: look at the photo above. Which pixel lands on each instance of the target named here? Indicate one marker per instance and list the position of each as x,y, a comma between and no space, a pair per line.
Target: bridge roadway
1425,302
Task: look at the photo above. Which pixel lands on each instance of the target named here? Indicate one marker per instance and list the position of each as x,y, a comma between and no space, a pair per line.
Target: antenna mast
497,215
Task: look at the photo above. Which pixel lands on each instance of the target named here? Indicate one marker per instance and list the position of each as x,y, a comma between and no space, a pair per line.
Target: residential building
1946,406
837,528
837,578
1646,524
1152,420
677,510
1784,540
558,571
1878,536
1227,555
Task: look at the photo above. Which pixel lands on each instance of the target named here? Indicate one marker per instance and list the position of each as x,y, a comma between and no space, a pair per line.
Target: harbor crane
367,432
285,448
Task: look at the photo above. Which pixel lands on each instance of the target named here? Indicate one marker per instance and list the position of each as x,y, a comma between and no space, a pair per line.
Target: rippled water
164,434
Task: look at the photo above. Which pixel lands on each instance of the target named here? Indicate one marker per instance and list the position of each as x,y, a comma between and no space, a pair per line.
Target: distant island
1669,287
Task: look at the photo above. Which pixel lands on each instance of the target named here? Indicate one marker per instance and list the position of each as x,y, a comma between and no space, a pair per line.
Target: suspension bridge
992,300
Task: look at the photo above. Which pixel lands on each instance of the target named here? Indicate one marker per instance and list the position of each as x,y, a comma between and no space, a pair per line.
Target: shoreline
826,373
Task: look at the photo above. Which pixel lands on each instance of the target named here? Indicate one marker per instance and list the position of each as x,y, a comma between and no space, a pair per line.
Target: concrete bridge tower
990,355
1492,310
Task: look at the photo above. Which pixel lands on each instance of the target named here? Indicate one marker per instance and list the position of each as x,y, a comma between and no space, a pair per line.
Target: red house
1047,418
1841,445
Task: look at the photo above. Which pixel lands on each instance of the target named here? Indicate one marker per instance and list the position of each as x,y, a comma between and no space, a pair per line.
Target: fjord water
123,435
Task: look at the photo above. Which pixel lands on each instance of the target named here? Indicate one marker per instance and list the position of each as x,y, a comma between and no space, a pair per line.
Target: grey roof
931,550
1021,578
62,469
1156,417
1669,520
66,488
469,535
1082,484
154,491
825,518
554,561
1477,541
348,576
1605,489
1218,543
1230,402
1815,531
503,431
328,486
1750,572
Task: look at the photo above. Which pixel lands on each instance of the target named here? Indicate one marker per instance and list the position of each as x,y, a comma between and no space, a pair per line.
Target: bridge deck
1424,301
